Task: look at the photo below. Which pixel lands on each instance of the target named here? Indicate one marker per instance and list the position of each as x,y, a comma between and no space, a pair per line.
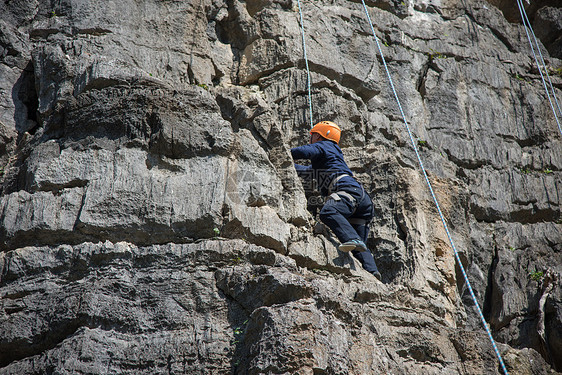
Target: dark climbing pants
336,214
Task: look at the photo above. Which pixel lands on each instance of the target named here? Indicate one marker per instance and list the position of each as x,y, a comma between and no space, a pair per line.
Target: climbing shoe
348,246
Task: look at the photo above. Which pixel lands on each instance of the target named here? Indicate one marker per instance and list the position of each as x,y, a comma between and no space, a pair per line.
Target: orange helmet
328,130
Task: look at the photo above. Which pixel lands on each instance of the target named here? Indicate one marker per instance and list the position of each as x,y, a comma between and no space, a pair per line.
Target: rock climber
348,209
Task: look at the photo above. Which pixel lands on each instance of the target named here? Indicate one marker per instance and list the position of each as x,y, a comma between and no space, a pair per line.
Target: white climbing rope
528,27
306,64
435,198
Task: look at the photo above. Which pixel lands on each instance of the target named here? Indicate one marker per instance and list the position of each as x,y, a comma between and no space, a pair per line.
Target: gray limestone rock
151,220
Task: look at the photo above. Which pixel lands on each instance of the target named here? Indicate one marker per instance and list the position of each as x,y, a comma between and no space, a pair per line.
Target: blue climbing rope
306,64
528,27
435,198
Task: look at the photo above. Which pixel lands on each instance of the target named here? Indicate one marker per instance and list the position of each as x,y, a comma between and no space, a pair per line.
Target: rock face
151,220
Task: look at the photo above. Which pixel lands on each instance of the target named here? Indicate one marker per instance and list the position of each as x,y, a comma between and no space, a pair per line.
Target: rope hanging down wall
481,315
306,64
542,65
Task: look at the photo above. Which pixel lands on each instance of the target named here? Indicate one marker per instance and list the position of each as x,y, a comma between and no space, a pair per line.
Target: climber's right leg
335,213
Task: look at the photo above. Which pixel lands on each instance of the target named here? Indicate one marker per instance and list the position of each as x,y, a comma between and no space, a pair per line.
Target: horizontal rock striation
151,220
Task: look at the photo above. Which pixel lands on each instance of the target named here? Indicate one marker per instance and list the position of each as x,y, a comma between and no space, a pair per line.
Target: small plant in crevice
547,171
511,248
536,275
422,143
525,170
519,78
203,86
437,55
52,14
320,271
556,71
239,332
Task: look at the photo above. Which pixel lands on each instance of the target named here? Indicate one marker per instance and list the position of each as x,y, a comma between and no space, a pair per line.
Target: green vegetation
422,143
437,55
236,260
216,231
556,71
536,275
547,171
204,86
52,14
321,271
525,170
511,248
519,78
239,331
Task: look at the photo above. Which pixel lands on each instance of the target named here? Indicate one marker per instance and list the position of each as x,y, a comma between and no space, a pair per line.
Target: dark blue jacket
326,163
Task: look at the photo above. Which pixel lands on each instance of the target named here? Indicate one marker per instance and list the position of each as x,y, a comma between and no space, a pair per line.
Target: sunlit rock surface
151,220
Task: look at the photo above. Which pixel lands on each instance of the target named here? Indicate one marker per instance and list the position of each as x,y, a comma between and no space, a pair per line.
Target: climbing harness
335,180
339,194
528,27
306,64
434,197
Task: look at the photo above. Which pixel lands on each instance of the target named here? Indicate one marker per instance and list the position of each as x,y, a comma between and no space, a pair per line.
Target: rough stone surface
548,22
151,220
